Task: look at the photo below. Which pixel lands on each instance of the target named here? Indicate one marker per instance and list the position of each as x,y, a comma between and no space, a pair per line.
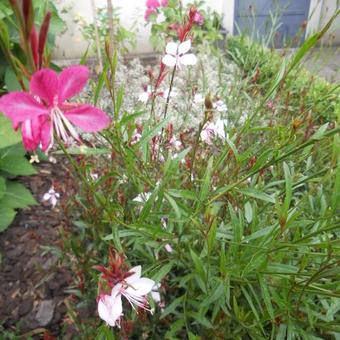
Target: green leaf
8,136
17,196
289,189
198,264
12,161
2,187
257,194
162,272
266,297
172,307
6,217
248,212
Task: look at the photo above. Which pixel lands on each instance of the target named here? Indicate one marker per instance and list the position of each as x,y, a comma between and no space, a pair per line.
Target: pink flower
198,18
148,12
152,4
45,109
164,3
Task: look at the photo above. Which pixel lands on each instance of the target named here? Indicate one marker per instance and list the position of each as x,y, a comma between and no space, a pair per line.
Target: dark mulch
32,278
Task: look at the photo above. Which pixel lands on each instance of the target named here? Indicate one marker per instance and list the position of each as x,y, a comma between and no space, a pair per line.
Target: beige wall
72,45
328,9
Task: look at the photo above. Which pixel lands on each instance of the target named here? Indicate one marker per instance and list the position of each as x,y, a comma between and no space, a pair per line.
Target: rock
26,306
45,312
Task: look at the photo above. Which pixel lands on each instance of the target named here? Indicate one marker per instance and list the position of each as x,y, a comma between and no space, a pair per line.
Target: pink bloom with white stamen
45,110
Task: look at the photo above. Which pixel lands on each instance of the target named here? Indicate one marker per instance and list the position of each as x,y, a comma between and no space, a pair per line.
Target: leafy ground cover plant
302,90
13,195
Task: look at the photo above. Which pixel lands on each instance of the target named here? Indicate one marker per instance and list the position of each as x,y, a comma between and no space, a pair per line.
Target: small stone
26,306
45,312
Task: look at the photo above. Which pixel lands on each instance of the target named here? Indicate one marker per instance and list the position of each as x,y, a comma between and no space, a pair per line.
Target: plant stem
170,89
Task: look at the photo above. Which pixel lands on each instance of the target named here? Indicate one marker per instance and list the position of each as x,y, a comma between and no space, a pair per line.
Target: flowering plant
166,18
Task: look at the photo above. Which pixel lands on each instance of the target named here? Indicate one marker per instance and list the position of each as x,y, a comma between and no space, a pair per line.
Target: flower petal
140,287
21,106
171,48
45,133
188,59
88,118
137,272
31,132
44,84
184,47
71,81
110,308
169,60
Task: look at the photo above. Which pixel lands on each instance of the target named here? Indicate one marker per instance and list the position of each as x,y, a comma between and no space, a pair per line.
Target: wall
72,45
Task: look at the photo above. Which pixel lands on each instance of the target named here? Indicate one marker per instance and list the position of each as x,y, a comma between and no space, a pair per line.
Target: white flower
177,54
134,288
212,130
142,197
110,309
220,126
175,143
198,98
144,97
136,137
51,196
168,248
220,106
208,132
156,296
34,159
94,176
52,160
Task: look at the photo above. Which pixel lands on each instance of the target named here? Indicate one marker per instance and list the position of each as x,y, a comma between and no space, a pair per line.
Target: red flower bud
43,36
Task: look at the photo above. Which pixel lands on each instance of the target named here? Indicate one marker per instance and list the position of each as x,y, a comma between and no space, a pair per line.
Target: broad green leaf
6,217
17,196
2,187
8,136
13,162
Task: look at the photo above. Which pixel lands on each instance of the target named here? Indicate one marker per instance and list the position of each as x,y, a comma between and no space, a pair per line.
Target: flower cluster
152,6
120,282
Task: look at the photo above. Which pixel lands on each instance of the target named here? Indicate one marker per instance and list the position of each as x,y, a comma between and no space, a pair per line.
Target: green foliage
124,38
13,195
11,45
304,91
252,219
207,35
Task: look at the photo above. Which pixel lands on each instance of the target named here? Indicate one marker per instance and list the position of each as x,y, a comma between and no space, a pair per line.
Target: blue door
282,21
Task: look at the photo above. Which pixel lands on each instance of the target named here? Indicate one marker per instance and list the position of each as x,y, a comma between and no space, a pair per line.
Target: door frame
314,16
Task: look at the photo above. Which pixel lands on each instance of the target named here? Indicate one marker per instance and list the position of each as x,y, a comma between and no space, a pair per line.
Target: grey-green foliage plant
13,163
123,37
253,220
